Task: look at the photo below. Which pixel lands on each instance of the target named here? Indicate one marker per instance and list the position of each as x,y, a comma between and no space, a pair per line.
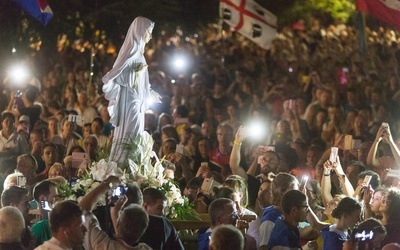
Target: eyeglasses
234,215
269,160
307,208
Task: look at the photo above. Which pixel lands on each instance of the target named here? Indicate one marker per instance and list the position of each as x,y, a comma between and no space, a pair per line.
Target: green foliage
179,207
338,9
104,152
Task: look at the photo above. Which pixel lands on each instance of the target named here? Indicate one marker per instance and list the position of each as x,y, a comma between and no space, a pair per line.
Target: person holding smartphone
129,222
45,194
11,143
390,206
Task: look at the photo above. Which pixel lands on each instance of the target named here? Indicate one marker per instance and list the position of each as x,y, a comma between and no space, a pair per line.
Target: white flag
250,19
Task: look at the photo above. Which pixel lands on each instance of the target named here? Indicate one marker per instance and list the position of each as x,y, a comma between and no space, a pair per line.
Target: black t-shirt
32,112
253,187
161,234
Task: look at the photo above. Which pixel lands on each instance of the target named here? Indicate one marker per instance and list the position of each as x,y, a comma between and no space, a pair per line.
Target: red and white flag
385,10
250,19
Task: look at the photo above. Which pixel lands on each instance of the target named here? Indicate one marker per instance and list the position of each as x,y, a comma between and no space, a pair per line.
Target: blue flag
39,9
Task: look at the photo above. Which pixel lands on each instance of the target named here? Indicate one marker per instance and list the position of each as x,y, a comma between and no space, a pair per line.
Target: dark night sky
112,16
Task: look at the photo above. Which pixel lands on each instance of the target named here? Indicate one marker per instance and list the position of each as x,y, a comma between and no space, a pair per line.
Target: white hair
11,178
12,224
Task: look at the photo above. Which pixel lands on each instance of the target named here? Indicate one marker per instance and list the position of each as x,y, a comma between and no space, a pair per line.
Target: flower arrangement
91,178
144,169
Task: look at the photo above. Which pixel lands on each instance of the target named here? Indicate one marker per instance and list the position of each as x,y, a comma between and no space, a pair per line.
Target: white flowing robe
127,88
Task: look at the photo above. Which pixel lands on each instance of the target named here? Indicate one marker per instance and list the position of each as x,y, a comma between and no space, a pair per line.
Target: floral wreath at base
139,171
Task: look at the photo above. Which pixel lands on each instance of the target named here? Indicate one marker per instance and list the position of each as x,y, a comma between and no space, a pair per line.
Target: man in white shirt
129,222
67,227
11,143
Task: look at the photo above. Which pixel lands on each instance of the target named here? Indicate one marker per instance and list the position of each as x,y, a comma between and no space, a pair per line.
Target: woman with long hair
347,214
239,184
390,206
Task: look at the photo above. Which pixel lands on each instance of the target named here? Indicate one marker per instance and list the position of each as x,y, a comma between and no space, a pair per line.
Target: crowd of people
283,185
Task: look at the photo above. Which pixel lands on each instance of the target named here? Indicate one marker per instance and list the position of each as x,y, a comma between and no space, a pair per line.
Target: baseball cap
24,118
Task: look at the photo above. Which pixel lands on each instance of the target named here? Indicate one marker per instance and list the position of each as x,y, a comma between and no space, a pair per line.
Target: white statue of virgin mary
127,88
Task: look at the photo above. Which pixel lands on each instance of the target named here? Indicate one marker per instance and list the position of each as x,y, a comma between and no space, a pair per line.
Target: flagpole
362,43
92,54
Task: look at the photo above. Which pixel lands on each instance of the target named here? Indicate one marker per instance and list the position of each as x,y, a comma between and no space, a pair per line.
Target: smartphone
21,181
45,205
119,191
303,181
79,160
179,149
204,164
333,155
356,143
364,235
45,210
393,173
348,142
73,180
75,118
367,180
208,185
116,194
386,126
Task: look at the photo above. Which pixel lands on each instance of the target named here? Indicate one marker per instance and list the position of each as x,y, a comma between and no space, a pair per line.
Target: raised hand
338,167
241,134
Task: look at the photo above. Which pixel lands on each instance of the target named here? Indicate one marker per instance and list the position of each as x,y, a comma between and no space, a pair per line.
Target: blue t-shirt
270,213
284,235
333,238
267,223
203,240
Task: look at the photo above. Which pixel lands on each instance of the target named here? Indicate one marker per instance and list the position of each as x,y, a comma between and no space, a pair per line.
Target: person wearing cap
23,126
11,143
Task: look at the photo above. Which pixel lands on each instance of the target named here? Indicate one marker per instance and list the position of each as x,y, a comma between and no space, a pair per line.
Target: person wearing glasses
390,206
285,233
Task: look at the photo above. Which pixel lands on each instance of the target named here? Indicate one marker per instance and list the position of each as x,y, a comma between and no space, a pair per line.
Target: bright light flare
150,101
256,129
179,63
18,74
